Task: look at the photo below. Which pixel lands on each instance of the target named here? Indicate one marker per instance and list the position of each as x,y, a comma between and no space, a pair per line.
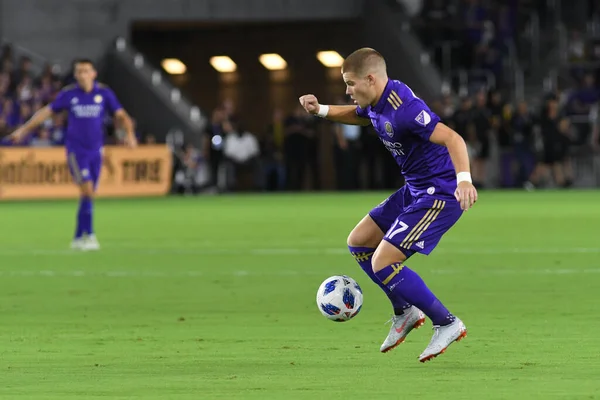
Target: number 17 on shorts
421,226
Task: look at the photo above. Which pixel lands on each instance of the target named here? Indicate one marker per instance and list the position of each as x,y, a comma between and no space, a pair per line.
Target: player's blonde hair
364,61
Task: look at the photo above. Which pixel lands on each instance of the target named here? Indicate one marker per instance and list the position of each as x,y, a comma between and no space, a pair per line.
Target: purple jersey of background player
85,125
404,124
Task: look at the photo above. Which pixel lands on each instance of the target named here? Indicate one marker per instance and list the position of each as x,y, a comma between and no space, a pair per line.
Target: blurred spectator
582,99
594,49
580,104
299,149
42,139
436,21
4,83
497,104
347,155
505,21
45,89
57,85
462,118
9,112
474,15
411,7
58,129
483,131
7,66
595,139
150,139
24,71
4,129
188,174
48,73
576,51
313,151
241,150
228,108
447,107
501,116
24,92
566,141
556,141
213,147
24,114
7,52
521,127
273,165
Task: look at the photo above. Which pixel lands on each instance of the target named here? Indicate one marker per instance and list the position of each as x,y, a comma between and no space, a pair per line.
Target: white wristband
463,176
323,110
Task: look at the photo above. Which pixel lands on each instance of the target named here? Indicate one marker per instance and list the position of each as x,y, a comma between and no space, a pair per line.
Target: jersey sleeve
417,119
61,102
112,103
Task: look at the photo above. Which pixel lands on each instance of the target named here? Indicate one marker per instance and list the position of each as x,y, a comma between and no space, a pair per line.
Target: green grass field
214,298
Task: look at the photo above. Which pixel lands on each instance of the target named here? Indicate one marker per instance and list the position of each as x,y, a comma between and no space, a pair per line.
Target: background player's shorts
85,166
415,225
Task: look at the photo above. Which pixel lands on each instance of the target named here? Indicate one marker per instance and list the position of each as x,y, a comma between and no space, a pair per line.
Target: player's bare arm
36,120
343,114
465,193
124,120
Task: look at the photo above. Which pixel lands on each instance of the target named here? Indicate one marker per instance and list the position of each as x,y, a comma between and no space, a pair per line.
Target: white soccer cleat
77,244
412,318
91,243
443,336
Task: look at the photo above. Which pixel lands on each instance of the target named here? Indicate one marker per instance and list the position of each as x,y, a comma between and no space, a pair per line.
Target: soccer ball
339,298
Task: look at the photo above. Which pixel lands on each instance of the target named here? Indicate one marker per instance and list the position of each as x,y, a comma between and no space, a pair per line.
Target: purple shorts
85,167
415,225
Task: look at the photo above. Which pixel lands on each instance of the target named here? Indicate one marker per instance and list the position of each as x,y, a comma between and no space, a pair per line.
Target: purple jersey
85,126
404,124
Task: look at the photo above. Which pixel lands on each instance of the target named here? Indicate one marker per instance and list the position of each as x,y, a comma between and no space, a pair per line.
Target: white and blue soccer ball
339,298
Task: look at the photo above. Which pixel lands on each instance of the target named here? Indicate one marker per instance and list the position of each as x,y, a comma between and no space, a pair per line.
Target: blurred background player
414,218
87,102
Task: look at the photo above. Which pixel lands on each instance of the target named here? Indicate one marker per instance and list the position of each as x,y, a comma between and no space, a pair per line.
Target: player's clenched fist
466,194
310,103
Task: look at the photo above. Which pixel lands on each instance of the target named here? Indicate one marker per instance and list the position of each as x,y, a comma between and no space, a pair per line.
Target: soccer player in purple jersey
435,164
86,103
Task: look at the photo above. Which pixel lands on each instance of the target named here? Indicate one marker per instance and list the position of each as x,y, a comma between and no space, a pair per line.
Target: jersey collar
384,96
95,87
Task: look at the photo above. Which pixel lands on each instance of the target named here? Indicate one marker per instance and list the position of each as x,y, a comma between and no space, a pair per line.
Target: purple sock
79,226
363,256
84,217
404,281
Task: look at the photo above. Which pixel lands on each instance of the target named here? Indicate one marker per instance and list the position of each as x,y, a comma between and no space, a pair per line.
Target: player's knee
354,239
365,234
360,238
86,189
386,254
